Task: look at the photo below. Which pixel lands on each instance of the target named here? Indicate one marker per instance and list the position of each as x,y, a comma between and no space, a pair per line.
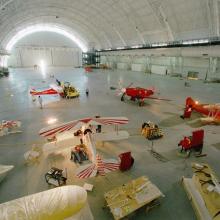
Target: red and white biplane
53,90
9,127
65,138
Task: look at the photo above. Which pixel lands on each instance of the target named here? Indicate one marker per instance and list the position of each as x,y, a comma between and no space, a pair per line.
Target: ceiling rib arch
112,23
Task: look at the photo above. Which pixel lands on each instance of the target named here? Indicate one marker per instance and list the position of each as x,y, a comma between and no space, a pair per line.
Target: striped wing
110,165
43,92
86,171
110,120
53,130
101,167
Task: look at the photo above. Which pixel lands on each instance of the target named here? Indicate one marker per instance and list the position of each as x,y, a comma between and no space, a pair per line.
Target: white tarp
61,203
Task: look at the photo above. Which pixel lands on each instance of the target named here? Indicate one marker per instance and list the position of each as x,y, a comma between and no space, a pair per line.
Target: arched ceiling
114,23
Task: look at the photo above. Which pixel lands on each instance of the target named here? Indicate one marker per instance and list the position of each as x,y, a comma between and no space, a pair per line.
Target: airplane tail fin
101,167
32,91
190,102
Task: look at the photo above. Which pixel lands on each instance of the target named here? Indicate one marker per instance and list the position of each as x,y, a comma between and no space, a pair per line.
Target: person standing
33,98
99,127
87,92
40,100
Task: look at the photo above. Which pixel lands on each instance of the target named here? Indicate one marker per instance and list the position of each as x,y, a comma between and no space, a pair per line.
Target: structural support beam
158,11
216,17
119,35
4,3
209,6
165,20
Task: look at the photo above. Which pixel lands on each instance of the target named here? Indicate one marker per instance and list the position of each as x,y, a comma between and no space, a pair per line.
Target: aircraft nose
123,90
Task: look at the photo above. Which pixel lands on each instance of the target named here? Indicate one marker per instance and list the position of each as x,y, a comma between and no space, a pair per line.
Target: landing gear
123,97
141,103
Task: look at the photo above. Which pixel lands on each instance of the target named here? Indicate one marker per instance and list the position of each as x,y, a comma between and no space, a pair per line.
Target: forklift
69,91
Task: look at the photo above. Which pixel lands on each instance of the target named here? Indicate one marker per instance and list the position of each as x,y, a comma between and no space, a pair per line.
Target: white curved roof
113,23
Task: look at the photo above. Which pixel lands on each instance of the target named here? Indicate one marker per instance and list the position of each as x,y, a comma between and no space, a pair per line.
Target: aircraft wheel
188,153
141,103
123,97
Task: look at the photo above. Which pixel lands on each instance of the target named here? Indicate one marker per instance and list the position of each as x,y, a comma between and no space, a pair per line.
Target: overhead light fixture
201,41
159,45
43,67
120,48
136,46
45,28
51,121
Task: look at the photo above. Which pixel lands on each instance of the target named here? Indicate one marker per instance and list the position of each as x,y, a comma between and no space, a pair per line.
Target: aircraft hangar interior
109,109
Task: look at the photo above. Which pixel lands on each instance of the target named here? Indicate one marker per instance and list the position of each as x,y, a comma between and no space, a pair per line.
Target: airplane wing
111,136
110,165
76,124
212,107
101,167
53,130
86,171
109,121
57,88
43,92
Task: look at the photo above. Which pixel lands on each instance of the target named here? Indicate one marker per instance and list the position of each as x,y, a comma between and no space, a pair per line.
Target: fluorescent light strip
44,27
159,45
202,41
136,46
120,48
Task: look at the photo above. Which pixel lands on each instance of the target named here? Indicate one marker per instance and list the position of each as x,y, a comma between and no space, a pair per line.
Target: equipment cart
151,131
192,143
55,177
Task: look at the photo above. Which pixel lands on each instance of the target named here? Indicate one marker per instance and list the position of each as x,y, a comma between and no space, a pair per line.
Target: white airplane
65,138
4,169
9,127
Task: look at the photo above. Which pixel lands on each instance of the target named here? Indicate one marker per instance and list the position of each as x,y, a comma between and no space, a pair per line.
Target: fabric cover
126,161
66,202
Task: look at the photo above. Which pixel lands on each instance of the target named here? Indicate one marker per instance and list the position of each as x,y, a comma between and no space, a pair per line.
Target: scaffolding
91,59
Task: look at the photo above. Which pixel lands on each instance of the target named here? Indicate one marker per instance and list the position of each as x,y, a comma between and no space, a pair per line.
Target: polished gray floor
15,103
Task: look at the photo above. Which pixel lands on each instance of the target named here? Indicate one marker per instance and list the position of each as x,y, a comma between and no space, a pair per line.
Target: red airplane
211,111
138,93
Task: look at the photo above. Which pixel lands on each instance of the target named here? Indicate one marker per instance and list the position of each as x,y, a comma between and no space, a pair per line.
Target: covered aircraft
211,111
65,90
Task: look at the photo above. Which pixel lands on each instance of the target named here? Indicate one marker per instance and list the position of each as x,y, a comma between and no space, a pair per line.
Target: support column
148,62
212,67
181,65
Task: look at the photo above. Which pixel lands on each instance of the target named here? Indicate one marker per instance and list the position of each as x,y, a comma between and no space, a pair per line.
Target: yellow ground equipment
151,131
69,91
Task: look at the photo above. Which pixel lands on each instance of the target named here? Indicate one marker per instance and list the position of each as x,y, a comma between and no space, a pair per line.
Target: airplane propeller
121,90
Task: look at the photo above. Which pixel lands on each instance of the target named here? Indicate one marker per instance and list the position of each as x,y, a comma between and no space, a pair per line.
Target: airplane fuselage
138,93
204,109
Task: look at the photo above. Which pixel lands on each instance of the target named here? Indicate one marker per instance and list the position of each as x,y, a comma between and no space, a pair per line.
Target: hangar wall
52,56
203,60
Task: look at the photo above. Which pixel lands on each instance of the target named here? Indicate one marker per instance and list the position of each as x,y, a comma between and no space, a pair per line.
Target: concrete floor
24,180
